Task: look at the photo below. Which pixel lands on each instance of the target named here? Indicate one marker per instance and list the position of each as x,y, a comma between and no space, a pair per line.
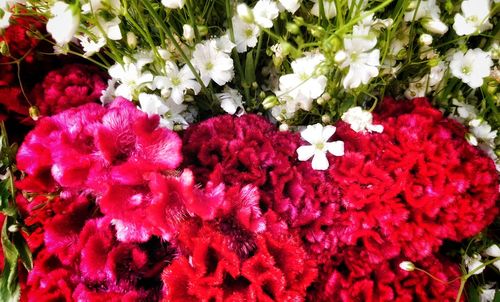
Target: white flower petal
336,148
320,161
305,152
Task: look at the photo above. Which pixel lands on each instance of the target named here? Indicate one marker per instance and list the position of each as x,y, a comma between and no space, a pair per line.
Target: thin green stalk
193,21
168,32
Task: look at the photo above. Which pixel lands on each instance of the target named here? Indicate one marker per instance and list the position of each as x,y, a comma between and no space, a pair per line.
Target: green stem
461,289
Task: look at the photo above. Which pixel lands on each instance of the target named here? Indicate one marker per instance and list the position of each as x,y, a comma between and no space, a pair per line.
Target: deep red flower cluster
19,37
71,86
245,220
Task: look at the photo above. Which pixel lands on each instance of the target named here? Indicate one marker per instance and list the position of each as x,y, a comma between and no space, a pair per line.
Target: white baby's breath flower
152,104
169,112
418,88
483,133
91,45
231,101
290,5
305,83
64,22
362,59
212,63
426,8
108,95
474,17
471,67
224,44
245,34
187,32
434,26
130,78
487,293
493,251
318,137
473,263
328,5
361,120
407,266
173,4
111,28
176,82
264,12
245,13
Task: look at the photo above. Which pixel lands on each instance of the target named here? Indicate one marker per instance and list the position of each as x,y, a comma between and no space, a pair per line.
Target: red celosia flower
355,280
71,86
277,269
407,189
18,36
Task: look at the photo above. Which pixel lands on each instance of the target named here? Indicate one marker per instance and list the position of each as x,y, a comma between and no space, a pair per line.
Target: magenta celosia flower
71,86
87,147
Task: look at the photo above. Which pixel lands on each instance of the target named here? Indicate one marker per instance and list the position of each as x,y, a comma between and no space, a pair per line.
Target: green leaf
9,274
473,294
23,250
497,296
249,68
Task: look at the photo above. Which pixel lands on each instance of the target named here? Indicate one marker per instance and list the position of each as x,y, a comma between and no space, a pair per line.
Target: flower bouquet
229,150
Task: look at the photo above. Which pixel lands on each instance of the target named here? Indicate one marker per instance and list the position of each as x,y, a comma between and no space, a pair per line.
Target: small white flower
329,6
418,88
437,73
264,12
425,39
435,26
318,137
473,263
176,82
212,63
111,28
471,67
131,40
487,293
64,22
290,5
231,101
91,45
224,44
361,120
245,34
407,266
305,78
426,8
245,13
187,32
482,132
493,251
173,4
4,18
474,17
152,104
130,77
108,95
363,62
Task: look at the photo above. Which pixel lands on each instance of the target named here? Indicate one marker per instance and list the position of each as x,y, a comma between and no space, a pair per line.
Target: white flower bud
326,119
425,39
131,40
188,32
407,266
245,13
340,56
434,26
284,127
493,251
